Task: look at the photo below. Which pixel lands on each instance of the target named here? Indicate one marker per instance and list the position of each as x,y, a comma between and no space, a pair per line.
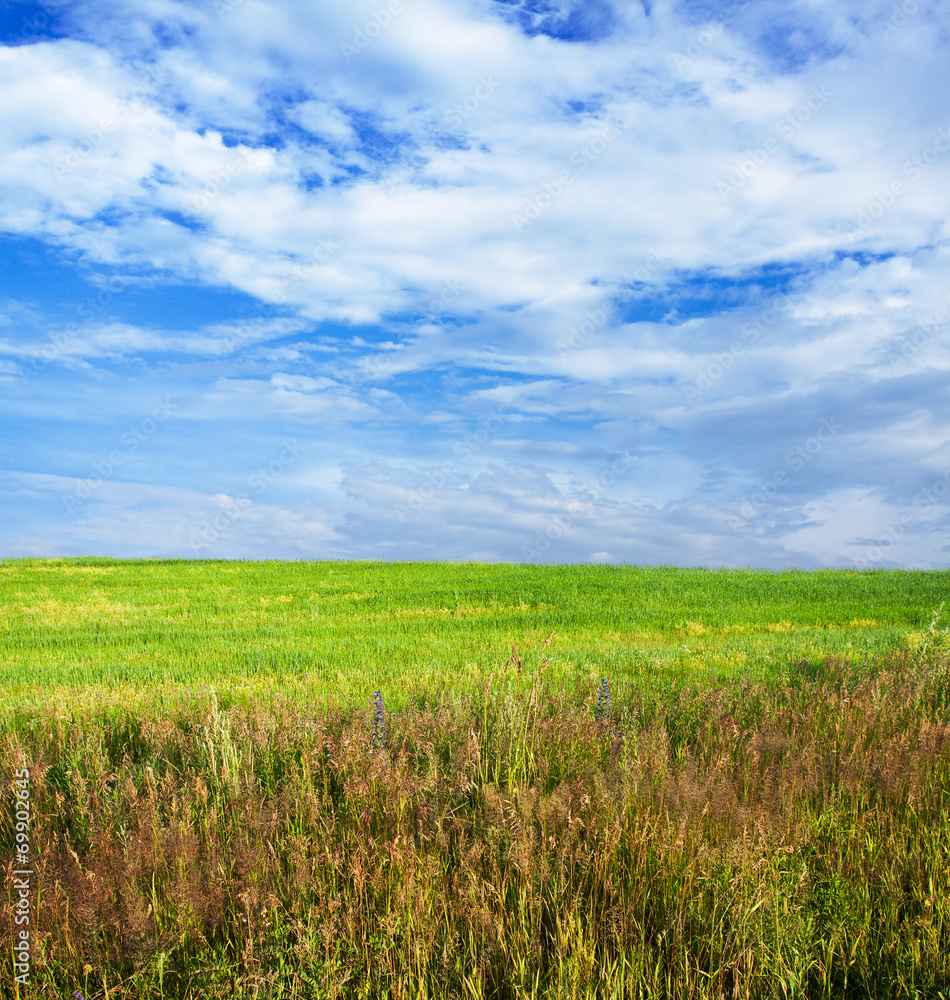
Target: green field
106,629
427,781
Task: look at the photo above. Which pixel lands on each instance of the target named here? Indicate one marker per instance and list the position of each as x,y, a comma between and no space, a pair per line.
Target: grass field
105,630
458,780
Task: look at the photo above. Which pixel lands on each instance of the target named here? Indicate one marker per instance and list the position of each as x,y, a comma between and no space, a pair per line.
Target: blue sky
476,280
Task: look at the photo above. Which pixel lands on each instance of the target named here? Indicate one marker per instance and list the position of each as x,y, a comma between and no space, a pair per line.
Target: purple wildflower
379,723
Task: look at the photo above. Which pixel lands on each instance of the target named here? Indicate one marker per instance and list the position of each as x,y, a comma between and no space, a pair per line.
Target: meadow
427,780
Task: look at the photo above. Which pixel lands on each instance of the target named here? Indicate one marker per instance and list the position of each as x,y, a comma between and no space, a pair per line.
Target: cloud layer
481,280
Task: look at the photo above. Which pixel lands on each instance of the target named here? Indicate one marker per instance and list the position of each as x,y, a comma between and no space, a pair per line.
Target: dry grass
788,840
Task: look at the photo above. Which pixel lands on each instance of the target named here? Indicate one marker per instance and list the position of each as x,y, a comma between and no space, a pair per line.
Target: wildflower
603,707
379,723
603,700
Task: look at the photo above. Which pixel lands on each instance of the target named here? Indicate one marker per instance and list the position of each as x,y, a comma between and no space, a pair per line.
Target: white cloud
440,212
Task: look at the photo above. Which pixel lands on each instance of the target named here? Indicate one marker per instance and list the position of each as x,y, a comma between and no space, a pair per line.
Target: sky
579,281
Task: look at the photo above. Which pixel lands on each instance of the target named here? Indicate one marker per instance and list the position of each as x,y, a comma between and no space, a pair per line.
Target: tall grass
782,839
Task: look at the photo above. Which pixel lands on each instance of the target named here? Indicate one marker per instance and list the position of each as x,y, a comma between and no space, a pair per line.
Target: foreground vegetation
546,829
758,842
